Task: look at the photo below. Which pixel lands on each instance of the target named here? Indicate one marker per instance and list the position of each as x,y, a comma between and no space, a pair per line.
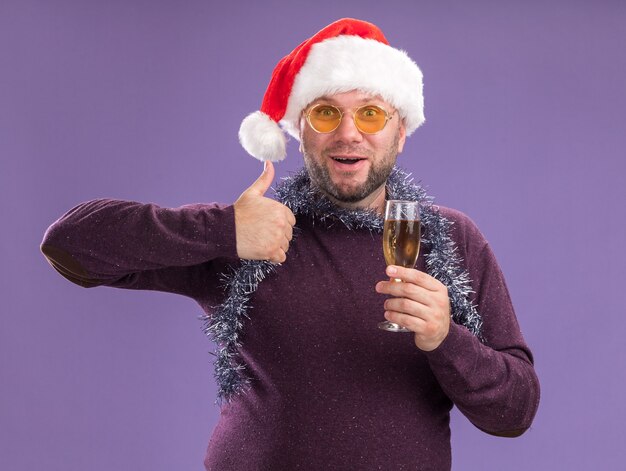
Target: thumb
262,184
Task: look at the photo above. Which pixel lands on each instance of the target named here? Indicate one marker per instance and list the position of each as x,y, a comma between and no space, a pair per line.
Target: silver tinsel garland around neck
297,193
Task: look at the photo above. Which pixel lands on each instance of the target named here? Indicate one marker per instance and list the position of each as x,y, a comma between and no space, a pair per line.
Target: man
306,379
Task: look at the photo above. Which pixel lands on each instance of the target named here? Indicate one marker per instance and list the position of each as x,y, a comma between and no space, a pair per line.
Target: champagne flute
401,242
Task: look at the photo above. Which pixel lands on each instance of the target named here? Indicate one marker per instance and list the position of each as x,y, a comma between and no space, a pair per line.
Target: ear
401,137
301,132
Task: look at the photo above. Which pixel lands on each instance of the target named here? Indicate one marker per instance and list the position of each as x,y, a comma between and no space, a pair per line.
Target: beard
377,175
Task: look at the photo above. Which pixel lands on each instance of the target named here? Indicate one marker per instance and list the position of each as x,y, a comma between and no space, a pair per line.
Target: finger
290,217
278,255
262,184
281,256
414,276
285,245
405,290
406,306
415,324
289,233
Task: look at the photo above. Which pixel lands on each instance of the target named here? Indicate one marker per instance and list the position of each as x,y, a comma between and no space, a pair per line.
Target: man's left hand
420,304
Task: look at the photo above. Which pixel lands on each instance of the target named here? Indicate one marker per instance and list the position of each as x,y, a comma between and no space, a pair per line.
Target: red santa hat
346,55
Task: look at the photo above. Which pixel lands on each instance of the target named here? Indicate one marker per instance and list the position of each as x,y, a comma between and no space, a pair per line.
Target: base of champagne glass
392,327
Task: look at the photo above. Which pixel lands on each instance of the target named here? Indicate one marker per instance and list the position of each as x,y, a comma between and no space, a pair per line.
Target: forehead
353,98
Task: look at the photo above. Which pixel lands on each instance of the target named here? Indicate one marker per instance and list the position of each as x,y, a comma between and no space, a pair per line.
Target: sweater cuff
221,240
453,348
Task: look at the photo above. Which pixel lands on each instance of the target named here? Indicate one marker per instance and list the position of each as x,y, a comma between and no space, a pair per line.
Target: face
346,164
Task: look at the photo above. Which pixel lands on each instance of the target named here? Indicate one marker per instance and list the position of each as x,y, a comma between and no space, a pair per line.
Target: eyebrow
330,99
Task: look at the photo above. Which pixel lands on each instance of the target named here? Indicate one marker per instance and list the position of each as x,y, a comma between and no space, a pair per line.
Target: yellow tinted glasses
368,119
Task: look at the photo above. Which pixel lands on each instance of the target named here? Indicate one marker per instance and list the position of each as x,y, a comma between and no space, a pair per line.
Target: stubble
377,175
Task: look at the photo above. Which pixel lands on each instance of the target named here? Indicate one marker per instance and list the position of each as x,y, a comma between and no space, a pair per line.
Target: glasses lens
370,119
324,118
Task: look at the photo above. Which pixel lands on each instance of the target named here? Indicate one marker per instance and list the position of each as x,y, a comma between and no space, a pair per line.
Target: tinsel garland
296,192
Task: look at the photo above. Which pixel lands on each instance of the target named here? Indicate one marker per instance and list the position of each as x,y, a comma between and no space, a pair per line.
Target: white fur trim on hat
347,63
262,138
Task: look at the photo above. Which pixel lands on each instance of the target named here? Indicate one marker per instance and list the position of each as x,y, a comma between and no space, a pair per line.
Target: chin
352,195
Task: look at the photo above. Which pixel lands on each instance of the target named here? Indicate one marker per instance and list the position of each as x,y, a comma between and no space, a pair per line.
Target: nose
347,132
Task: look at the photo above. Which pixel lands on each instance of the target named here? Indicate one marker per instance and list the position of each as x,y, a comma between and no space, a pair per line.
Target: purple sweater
329,389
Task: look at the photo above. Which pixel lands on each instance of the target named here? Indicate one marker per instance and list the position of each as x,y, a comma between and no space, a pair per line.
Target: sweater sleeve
494,383
126,244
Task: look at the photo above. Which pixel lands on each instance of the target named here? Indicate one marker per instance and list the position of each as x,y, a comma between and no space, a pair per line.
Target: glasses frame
388,116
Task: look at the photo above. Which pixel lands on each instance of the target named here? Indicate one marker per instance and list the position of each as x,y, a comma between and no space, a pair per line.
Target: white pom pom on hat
346,55
262,138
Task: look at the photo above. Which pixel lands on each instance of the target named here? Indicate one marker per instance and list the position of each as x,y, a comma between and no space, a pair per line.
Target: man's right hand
263,227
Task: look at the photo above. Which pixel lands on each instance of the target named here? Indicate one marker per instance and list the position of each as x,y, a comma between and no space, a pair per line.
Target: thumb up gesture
263,226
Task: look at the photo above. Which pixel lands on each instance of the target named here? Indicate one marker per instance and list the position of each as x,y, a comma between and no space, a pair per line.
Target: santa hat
346,55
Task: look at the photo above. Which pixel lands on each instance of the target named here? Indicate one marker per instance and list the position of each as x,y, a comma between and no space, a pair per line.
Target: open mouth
347,160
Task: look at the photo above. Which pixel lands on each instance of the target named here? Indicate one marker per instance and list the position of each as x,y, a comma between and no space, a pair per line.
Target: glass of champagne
401,242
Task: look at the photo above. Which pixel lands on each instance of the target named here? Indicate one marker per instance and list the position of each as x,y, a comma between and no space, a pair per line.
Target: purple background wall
142,100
